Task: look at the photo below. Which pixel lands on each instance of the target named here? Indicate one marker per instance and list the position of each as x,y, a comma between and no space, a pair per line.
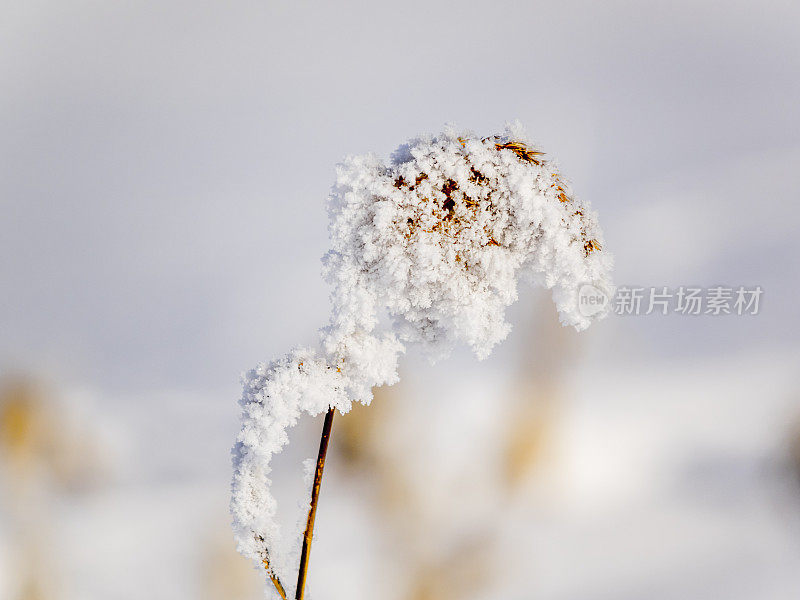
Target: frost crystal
426,249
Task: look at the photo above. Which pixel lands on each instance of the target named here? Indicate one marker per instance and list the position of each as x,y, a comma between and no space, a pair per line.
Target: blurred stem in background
440,555
46,453
25,439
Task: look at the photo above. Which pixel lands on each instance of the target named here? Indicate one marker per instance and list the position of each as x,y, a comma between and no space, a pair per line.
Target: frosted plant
426,249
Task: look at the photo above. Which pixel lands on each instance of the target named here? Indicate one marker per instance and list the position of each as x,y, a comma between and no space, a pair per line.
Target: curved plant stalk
312,513
272,575
478,228
275,580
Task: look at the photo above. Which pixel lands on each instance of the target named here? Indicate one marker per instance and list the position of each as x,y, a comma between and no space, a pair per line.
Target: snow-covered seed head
457,211
440,236
426,248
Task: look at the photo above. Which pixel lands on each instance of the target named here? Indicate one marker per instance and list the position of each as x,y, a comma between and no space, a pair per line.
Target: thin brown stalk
275,580
312,513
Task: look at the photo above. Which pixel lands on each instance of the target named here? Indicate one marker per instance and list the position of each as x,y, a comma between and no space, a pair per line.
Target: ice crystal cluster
426,249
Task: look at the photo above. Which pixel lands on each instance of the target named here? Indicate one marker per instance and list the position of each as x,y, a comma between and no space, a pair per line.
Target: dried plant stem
312,513
275,580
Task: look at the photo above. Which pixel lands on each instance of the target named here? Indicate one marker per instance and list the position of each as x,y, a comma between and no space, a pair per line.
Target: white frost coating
426,249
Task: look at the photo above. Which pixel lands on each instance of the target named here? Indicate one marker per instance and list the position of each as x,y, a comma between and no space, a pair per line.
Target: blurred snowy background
163,172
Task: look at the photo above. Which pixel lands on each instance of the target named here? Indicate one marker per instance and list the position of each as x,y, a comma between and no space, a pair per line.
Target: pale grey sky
164,165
